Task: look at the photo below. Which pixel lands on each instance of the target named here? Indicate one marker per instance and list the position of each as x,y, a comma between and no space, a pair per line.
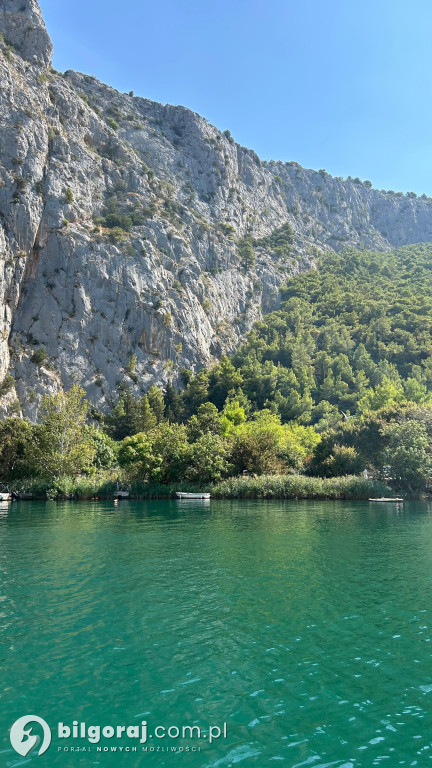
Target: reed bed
298,487
262,487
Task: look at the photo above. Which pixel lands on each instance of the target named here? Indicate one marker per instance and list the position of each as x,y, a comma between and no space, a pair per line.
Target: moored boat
183,495
5,494
121,495
122,491
384,499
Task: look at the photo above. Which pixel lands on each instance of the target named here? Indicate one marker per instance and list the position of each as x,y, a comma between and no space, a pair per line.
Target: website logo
23,741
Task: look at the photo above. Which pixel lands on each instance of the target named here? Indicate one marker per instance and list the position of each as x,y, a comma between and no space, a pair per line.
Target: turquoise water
306,627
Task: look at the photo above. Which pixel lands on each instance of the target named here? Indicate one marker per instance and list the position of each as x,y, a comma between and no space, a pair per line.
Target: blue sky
343,85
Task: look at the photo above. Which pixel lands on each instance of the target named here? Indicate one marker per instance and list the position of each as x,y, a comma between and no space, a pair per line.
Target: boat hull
5,497
386,501
181,495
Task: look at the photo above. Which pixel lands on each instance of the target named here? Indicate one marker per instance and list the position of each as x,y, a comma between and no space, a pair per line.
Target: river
299,630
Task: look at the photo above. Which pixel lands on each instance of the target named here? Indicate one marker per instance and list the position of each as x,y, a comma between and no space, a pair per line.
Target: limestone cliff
122,222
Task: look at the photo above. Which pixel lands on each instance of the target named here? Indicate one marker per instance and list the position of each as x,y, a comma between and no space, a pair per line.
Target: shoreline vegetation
328,397
262,487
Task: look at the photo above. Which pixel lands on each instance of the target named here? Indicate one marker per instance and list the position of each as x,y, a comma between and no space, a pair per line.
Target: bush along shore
247,487
299,487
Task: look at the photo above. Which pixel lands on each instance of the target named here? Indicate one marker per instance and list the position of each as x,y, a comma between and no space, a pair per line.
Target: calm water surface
305,626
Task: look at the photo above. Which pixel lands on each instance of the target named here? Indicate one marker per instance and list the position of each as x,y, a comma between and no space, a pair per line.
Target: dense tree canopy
351,336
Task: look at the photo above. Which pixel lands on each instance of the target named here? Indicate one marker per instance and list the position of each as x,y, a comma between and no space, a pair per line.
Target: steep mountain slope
135,238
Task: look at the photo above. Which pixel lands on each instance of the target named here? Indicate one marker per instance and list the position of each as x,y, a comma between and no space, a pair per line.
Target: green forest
337,382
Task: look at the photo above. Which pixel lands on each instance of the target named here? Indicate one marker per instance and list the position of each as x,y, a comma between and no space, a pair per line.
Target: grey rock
172,290
22,26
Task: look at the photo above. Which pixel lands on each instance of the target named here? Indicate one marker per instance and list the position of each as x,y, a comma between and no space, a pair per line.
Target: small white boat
121,495
384,499
181,495
5,492
122,492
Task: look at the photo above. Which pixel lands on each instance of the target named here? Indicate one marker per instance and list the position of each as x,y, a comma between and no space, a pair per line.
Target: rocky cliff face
120,228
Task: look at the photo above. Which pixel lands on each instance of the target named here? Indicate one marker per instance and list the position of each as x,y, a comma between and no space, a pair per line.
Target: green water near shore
305,626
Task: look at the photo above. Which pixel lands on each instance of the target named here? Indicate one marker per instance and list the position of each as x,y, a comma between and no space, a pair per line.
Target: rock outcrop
135,238
22,27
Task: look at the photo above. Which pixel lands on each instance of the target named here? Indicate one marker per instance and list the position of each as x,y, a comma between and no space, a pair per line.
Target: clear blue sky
344,85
